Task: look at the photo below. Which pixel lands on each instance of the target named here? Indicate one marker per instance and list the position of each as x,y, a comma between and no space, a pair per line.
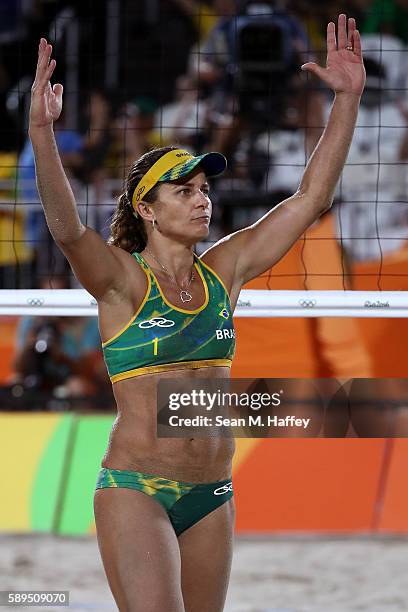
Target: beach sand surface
277,573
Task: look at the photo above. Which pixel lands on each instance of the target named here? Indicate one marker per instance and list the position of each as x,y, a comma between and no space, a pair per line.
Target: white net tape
251,303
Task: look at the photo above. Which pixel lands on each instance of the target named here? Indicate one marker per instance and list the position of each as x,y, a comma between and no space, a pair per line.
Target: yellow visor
174,165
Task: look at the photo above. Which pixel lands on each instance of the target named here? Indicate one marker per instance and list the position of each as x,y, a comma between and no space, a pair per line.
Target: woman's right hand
46,101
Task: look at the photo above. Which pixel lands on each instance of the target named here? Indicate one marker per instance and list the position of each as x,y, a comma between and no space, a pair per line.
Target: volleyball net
225,81
251,303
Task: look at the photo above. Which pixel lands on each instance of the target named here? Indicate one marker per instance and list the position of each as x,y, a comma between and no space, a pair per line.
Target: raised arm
95,264
255,249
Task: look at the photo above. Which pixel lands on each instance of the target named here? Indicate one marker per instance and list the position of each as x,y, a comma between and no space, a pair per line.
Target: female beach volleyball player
164,508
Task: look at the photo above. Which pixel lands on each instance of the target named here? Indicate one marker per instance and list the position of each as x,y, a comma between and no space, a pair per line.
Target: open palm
46,101
344,70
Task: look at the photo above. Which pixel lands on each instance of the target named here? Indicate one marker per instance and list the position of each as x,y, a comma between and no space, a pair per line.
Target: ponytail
127,229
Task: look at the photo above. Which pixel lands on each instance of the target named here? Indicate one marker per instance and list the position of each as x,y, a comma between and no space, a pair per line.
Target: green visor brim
212,164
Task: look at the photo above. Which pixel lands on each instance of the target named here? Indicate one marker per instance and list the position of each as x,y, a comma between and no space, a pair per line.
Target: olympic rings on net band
307,303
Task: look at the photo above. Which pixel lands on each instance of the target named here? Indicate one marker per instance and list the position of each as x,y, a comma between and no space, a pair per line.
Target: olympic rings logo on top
156,322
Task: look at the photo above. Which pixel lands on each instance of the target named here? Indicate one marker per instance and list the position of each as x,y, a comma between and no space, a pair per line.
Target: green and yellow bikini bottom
185,503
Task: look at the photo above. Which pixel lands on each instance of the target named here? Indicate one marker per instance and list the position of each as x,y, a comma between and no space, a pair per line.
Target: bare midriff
135,446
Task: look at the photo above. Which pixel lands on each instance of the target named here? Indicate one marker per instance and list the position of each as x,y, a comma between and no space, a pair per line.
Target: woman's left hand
344,72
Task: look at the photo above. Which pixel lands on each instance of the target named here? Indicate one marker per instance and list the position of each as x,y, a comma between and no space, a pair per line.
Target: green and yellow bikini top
162,337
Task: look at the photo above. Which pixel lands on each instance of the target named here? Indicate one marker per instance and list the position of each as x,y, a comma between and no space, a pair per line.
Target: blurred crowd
206,75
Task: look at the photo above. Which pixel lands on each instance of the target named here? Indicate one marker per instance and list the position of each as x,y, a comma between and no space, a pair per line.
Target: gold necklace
185,296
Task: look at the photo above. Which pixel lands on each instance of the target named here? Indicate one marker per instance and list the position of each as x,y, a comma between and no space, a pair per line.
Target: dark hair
127,231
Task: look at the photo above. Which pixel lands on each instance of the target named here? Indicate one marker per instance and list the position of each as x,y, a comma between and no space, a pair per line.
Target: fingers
351,29
58,89
357,44
50,69
41,47
341,32
347,35
44,59
314,69
331,37
45,67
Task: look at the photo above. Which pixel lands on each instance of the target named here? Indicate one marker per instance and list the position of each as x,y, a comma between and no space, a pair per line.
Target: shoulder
134,276
217,260
130,260
123,256
133,262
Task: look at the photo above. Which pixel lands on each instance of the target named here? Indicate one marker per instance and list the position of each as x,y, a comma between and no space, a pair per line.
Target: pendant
185,296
